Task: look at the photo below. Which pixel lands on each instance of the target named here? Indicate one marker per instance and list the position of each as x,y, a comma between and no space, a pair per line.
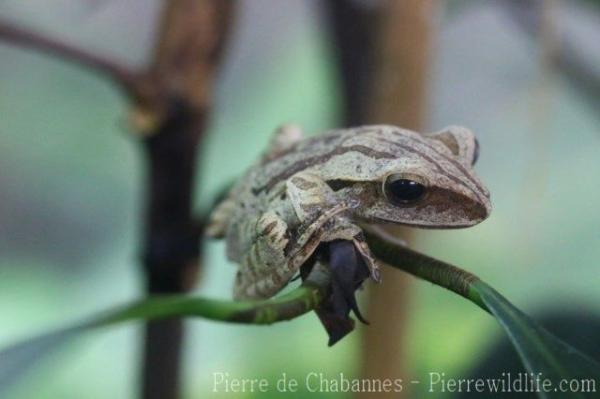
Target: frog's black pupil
404,190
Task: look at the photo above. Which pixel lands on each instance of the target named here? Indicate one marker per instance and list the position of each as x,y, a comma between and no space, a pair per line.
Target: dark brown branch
171,101
126,79
171,252
353,31
176,101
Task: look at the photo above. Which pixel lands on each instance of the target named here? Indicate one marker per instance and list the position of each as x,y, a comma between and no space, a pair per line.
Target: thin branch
286,307
171,100
16,360
353,26
301,300
435,271
174,112
126,79
187,53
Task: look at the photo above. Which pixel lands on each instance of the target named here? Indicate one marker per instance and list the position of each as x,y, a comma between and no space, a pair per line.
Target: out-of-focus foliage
70,189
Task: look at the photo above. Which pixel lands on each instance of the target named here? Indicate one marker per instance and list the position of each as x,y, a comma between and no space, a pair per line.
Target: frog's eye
401,191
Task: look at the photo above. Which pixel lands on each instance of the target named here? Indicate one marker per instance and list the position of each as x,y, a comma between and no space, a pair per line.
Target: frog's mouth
348,271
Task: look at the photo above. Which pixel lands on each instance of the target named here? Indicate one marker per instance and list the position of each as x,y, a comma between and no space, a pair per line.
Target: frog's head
419,180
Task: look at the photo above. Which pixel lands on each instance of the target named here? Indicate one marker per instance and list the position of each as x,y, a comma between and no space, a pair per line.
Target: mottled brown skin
305,192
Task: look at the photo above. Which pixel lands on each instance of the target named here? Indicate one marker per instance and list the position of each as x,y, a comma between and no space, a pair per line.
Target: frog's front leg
271,260
327,227
322,219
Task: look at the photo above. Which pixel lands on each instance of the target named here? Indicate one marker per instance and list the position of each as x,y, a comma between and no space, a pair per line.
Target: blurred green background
71,193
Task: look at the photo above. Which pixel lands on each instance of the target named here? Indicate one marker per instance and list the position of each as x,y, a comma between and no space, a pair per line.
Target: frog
305,194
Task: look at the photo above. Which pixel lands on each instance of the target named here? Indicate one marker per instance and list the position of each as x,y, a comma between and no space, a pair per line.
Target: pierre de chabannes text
435,381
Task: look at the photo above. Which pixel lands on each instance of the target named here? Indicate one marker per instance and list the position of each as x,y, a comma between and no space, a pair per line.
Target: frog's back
343,153
252,194
249,195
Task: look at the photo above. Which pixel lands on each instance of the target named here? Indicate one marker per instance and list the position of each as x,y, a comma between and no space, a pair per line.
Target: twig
286,307
17,359
171,101
352,25
175,107
126,79
430,269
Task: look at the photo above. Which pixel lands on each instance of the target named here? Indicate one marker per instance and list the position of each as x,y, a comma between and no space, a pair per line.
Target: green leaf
16,360
539,350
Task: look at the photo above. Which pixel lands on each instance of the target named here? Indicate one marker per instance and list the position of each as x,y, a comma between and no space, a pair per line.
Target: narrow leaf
16,360
539,350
